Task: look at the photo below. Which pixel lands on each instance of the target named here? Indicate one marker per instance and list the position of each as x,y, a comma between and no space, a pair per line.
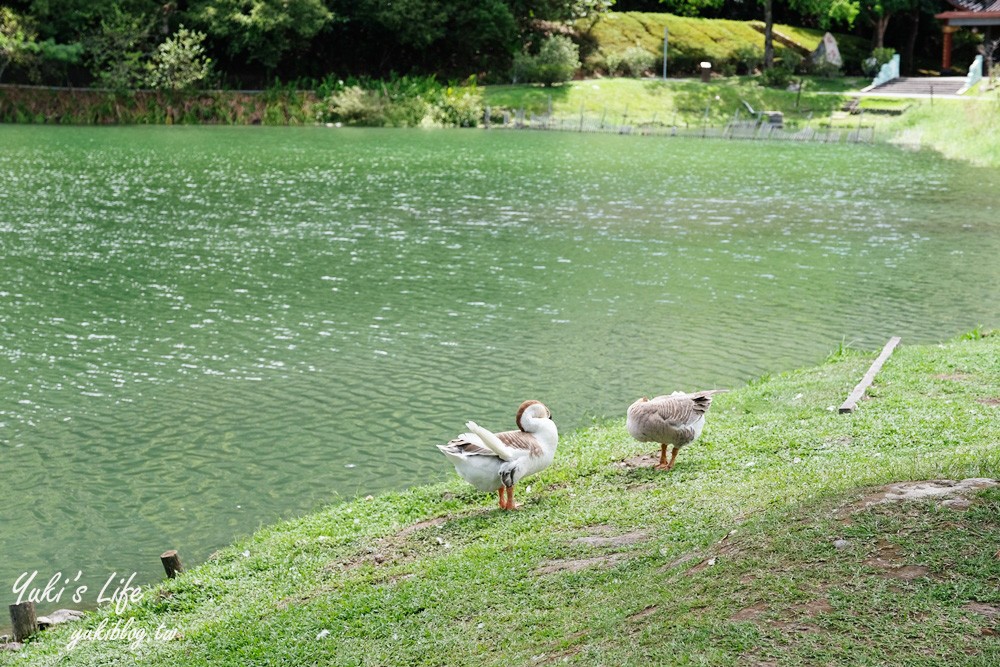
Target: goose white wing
490,440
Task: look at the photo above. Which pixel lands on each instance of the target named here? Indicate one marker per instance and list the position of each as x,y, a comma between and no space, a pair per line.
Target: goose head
529,415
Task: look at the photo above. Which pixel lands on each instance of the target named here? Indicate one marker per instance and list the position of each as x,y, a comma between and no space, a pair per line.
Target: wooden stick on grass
852,401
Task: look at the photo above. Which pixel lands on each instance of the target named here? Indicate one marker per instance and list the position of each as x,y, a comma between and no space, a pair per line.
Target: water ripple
206,329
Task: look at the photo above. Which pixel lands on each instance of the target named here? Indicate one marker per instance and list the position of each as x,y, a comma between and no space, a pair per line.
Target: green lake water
203,330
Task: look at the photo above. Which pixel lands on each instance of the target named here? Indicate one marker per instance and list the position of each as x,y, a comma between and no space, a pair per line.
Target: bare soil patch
990,611
612,540
420,525
751,613
578,564
640,461
639,615
942,489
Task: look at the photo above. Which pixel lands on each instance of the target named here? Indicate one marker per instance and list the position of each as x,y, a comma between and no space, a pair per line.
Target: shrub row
77,106
398,102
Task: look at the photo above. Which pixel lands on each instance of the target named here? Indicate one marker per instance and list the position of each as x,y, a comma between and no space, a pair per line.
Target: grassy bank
758,548
723,42
675,100
958,129
966,129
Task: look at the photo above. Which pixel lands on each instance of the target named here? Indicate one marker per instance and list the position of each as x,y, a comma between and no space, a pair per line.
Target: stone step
941,85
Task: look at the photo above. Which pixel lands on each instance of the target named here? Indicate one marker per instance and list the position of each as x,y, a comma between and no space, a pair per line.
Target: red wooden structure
966,14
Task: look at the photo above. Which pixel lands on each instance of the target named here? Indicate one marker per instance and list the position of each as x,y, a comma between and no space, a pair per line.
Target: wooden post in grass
171,563
22,617
852,401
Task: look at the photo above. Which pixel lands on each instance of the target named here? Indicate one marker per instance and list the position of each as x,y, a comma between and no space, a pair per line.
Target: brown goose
498,461
674,420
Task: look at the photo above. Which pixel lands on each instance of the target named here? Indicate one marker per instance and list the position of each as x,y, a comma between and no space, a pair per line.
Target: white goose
674,420
498,461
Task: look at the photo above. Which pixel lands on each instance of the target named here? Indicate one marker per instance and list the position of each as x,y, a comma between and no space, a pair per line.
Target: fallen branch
859,391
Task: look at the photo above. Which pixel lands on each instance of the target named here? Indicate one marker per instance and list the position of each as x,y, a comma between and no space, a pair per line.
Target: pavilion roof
975,6
972,12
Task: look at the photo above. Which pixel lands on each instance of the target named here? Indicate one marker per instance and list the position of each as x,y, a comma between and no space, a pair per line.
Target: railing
974,76
889,71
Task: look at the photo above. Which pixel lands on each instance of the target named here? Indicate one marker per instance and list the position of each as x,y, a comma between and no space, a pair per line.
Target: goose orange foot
663,464
508,502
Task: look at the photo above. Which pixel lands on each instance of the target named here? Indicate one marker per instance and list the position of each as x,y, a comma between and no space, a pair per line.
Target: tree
527,12
768,34
117,50
556,61
878,12
690,7
17,40
261,31
825,12
179,62
448,37
19,45
70,21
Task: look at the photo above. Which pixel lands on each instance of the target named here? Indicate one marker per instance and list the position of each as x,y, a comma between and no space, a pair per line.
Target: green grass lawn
958,129
758,548
692,40
967,130
680,100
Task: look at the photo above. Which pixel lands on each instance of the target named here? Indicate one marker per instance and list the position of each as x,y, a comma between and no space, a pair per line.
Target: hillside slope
692,40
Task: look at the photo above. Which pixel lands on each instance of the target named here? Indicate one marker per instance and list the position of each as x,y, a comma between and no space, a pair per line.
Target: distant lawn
680,100
958,129
966,130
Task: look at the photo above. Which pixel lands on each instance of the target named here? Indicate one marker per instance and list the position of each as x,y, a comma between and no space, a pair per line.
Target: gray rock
841,544
58,617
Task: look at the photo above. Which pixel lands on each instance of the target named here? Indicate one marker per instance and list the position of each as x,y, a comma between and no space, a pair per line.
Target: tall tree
826,12
19,45
768,33
116,51
74,20
690,7
17,39
261,31
528,11
878,13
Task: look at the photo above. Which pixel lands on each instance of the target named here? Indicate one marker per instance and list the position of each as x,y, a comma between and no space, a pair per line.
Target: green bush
634,61
353,105
459,106
613,63
557,60
826,70
789,59
637,61
778,76
748,58
179,62
402,102
870,66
